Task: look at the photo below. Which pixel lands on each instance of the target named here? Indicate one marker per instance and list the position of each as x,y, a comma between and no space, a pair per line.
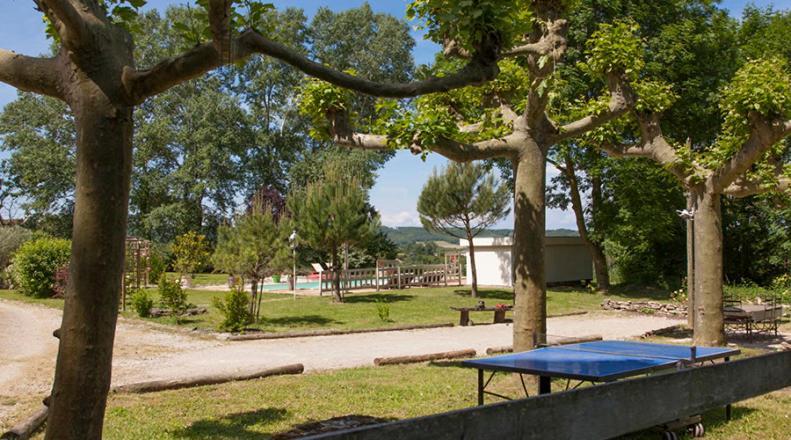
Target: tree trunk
597,253
709,329
83,370
473,269
530,288
253,298
336,276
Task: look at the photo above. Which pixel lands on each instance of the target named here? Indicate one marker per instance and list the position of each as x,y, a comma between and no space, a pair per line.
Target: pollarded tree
747,158
509,118
254,247
95,72
462,201
332,213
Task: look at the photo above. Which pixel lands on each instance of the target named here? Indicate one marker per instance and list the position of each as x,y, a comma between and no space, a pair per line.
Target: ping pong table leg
728,406
544,385
480,387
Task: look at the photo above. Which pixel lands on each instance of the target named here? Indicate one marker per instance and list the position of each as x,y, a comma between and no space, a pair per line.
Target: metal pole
294,285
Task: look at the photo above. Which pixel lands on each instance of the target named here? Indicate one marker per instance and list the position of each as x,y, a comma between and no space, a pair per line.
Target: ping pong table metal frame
545,380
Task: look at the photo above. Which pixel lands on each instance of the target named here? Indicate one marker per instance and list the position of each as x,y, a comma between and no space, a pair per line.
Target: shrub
36,262
158,264
61,280
142,303
11,238
171,296
235,309
383,310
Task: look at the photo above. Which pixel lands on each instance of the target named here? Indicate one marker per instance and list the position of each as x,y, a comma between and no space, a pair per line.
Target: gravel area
145,351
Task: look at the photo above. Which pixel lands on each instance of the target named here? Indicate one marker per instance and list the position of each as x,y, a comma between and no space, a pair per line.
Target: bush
61,280
35,265
158,265
11,238
383,310
142,303
171,296
235,309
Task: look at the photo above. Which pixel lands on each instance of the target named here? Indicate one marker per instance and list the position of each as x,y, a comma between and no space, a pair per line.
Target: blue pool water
284,286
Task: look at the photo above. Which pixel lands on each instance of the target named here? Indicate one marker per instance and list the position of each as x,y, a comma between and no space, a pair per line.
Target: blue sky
400,181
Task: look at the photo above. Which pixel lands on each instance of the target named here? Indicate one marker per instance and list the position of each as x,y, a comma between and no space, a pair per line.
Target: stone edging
646,307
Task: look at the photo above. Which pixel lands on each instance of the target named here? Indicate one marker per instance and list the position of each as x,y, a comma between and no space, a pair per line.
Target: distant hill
413,234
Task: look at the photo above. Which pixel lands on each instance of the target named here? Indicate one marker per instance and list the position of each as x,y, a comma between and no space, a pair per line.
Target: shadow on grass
484,294
445,364
378,297
298,320
329,425
232,426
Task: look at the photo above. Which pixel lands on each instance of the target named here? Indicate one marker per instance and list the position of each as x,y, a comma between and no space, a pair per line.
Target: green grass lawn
203,279
258,409
282,313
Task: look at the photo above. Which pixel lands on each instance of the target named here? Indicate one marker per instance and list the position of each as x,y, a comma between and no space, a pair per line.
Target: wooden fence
597,412
394,276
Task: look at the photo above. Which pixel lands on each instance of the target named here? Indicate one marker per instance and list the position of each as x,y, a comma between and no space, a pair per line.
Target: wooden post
446,270
398,271
376,275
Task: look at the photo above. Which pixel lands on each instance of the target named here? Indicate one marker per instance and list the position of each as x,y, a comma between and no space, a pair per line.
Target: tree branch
141,84
762,136
540,65
479,69
453,150
744,188
621,101
219,25
201,59
67,19
30,74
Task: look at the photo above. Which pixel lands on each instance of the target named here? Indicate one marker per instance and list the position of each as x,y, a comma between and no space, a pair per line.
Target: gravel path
146,351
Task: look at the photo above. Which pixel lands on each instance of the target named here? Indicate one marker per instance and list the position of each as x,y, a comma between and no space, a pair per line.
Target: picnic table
464,313
596,362
754,318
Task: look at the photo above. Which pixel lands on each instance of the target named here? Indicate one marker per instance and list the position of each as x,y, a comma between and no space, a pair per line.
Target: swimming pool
284,286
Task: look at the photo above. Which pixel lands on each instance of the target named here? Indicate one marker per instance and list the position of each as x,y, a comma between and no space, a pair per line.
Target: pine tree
461,201
332,213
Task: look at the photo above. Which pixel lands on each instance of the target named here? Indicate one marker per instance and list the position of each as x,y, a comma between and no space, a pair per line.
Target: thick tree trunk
82,375
708,330
530,288
597,253
473,268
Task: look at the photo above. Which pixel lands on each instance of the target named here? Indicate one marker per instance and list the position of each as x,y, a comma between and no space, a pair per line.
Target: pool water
284,286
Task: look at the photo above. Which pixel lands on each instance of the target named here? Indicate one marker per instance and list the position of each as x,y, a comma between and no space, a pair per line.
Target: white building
567,260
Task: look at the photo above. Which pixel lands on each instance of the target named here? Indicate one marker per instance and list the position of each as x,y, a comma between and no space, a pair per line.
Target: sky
400,181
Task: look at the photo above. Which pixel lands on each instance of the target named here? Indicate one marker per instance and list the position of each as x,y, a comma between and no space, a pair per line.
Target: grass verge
283,313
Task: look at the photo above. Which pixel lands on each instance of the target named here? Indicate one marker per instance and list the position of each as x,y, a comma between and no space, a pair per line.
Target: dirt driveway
145,351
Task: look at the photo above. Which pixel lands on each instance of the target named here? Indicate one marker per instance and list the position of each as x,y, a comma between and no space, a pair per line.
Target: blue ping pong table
598,361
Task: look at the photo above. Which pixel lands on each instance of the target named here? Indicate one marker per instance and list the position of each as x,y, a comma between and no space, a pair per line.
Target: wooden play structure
137,266
393,274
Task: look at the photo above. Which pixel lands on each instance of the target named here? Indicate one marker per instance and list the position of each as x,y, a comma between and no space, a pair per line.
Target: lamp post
292,240
689,215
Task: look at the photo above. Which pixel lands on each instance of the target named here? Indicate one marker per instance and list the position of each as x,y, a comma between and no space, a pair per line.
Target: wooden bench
464,313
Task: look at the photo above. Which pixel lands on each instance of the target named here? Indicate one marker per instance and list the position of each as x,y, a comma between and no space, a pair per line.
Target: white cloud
400,218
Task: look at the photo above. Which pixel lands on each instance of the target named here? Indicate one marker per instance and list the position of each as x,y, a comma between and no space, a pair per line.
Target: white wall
567,260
